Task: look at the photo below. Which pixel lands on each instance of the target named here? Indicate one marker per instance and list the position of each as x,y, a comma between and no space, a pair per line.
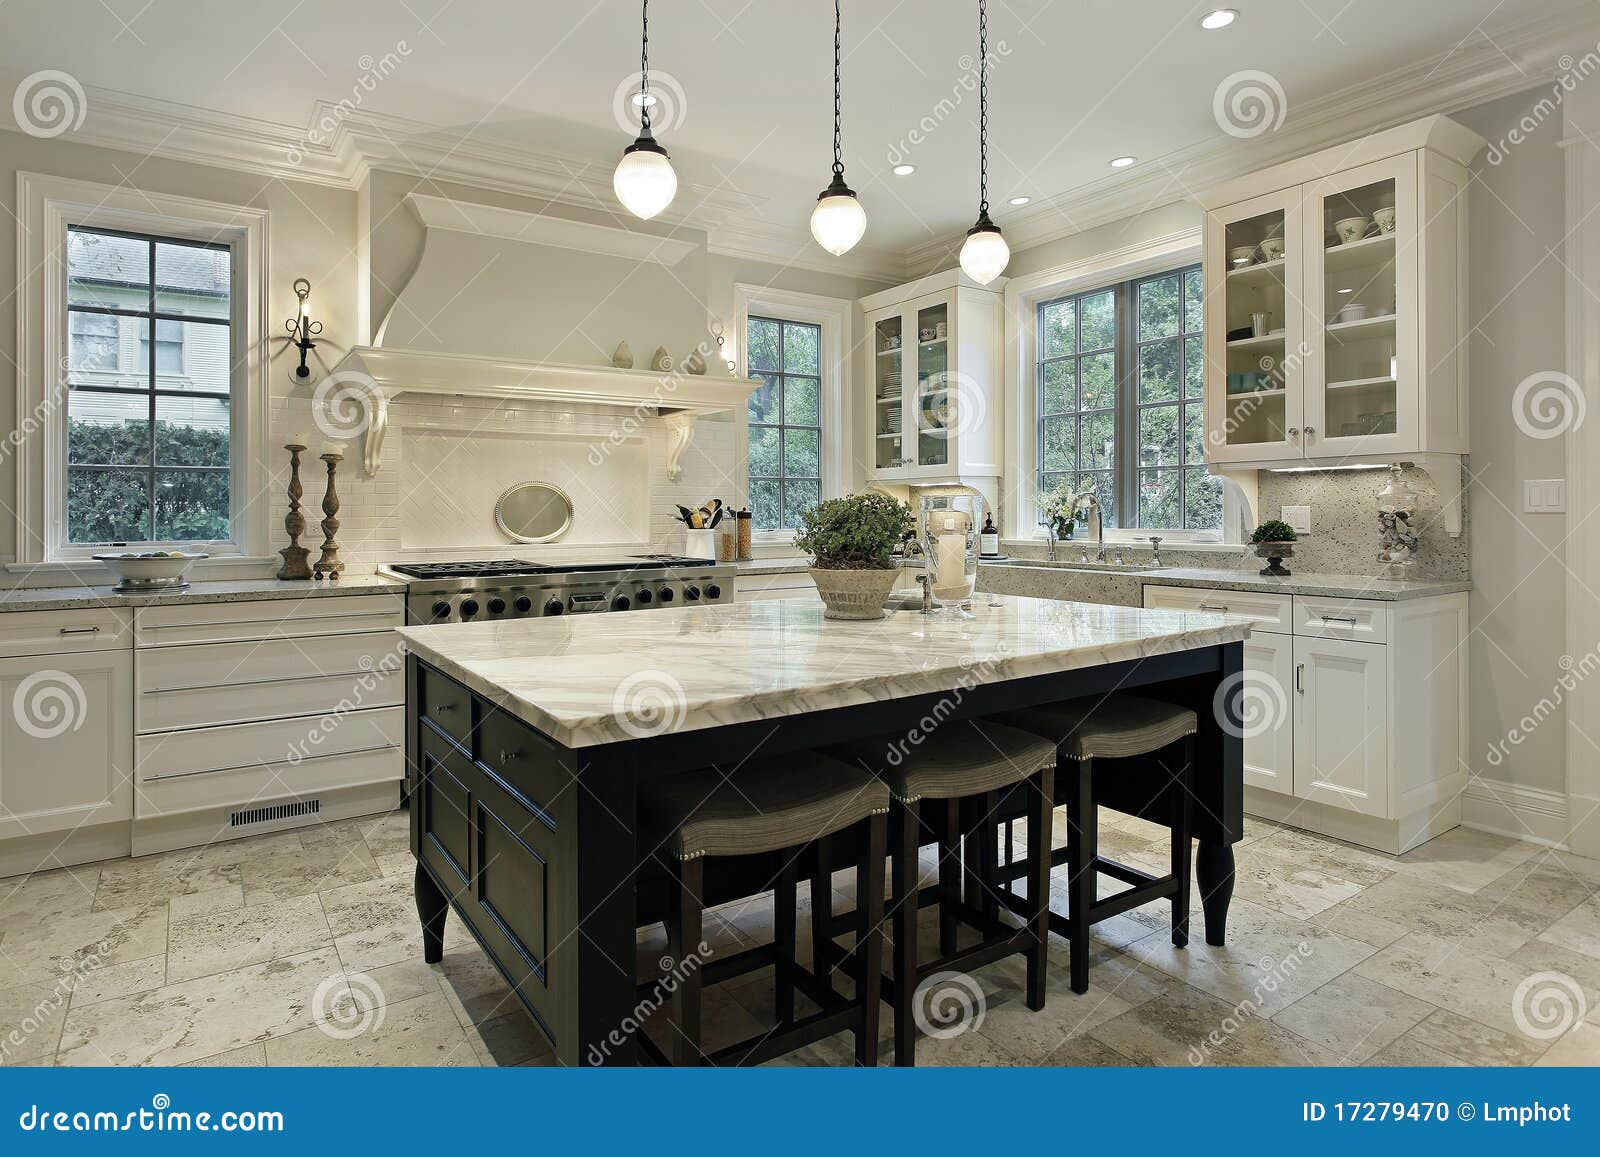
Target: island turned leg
432,908
1213,867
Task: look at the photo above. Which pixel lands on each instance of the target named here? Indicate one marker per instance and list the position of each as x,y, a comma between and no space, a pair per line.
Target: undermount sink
1094,567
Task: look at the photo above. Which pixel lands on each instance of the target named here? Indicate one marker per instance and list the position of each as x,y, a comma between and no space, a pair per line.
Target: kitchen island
527,741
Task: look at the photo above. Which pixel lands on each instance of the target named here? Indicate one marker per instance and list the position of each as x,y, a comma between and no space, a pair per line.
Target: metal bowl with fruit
150,570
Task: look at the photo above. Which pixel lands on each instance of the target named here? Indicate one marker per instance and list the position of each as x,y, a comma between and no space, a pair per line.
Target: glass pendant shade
644,181
984,254
838,221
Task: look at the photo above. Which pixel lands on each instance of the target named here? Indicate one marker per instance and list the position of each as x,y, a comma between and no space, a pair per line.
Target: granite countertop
759,566
1344,586
230,591
592,679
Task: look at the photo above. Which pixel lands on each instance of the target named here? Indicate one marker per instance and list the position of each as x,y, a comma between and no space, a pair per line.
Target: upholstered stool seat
949,766
1114,727
782,801
772,808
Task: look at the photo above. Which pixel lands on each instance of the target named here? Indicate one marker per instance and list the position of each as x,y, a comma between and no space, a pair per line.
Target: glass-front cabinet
1336,306
935,367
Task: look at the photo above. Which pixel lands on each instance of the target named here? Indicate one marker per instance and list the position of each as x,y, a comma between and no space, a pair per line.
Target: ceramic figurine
661,359
622,356
695,364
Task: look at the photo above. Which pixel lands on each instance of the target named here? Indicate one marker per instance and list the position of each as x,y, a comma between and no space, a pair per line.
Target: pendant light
985,253
644,181
838,221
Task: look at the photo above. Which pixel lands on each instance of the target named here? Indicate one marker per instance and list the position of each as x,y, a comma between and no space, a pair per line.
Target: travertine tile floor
302,948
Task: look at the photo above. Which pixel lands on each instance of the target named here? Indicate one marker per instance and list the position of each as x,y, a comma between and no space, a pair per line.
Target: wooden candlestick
294,555
328,564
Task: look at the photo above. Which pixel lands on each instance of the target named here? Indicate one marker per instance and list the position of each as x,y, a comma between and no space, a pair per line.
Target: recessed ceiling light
1122,162
904,170
1221,18
644,100
1019,200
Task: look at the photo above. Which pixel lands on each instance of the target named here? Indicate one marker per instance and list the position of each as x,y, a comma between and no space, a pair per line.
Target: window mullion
1125,459
151,384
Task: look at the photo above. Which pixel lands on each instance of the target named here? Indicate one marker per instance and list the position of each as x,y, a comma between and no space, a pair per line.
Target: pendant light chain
838,161
983,107
644,72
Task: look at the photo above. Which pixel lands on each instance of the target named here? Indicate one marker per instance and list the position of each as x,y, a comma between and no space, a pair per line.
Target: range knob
441,610
713,591
496,606
691,594
469,607
554,607
644,595
621,603
523,604
666,594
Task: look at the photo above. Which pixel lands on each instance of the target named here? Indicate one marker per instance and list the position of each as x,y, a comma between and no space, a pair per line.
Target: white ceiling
1072,85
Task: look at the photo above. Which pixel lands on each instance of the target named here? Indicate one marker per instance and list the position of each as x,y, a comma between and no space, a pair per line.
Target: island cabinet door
1268,714
1341,728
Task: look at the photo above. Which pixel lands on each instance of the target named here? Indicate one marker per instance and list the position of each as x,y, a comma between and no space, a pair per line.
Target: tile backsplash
446,460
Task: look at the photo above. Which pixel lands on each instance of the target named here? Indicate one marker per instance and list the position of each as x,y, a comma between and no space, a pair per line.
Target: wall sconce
301,327
722,344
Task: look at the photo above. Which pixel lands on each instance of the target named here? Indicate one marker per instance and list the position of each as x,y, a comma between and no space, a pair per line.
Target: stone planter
854,594
1275,553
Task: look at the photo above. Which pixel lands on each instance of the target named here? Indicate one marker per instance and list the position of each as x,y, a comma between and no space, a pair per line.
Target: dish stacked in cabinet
255,716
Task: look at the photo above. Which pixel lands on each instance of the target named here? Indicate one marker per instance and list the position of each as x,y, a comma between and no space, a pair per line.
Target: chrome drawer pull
509,756
1348,620
1223,607
265,765
441,708
80,630
1299,678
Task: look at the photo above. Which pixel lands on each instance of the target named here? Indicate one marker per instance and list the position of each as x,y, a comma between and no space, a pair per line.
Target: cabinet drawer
276,618
63,632
447,703
214,683
1364,620
1264,612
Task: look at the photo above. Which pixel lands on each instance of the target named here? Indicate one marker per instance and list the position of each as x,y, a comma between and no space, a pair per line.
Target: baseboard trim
1391,836
1508,809
192,829
26,854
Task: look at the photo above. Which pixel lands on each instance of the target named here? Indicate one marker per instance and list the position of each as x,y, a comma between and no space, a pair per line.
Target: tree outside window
785,421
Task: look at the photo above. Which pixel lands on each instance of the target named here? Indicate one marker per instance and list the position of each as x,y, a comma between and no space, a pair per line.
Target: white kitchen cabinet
1355,710
66,744
1341,724
931,398
1360,350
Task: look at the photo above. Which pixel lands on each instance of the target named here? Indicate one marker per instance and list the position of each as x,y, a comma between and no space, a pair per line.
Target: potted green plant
851,542
1274,541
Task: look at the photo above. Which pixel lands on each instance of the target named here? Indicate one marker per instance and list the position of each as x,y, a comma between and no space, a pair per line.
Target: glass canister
949,521
1398,542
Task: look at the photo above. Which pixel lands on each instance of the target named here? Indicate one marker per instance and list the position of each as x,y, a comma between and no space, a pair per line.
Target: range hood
497,289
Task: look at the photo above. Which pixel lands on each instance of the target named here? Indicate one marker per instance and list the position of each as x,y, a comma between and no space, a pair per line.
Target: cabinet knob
509,756
1294,431
1310,431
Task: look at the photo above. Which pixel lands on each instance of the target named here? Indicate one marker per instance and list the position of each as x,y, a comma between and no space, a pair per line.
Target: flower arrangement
1061,508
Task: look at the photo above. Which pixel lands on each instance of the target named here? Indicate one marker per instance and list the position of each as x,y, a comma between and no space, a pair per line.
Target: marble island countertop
594,679
226,591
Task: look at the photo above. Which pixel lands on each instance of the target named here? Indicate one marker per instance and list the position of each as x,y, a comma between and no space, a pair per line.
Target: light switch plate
1298,517
1544,496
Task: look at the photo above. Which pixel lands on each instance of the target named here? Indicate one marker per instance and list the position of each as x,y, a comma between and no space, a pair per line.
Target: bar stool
951,782
1086,732
775,805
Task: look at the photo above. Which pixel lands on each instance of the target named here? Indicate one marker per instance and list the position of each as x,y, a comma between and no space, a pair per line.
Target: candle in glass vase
951,531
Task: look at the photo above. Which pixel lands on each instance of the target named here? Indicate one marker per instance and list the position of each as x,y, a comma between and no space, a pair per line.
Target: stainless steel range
510,588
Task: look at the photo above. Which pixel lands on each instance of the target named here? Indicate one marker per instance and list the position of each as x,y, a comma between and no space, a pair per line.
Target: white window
142,377
794,344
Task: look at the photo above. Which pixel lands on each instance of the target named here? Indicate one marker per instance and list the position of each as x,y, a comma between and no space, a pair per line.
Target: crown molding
1449,82
541,229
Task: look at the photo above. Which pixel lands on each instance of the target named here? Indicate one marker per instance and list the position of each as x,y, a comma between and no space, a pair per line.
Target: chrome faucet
1099,529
